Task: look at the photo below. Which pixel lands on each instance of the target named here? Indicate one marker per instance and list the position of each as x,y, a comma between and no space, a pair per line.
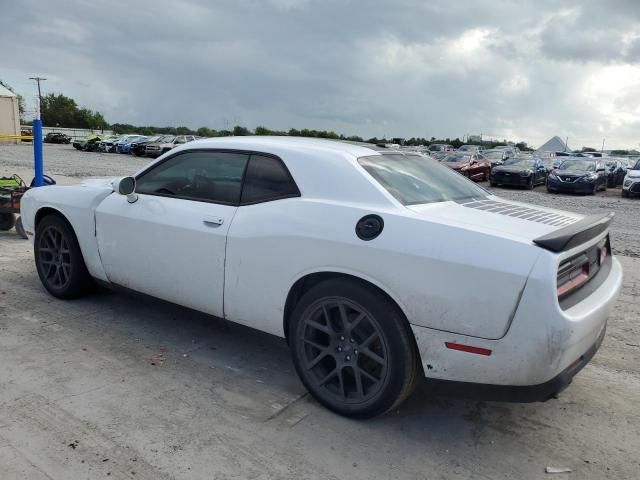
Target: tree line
58,110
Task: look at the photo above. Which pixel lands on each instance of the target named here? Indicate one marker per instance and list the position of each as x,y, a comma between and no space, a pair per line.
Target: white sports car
379,267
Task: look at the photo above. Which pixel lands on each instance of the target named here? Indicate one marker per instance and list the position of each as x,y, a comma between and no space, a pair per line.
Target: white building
9,115
554,144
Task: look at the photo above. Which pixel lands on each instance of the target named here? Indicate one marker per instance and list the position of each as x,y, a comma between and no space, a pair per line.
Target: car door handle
213,221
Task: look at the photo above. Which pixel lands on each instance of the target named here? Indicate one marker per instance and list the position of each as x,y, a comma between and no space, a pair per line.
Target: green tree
239,131
62,111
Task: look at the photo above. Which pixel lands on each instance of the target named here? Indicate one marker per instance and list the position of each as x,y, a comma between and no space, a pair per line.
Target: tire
7,221
493,183
59,261
20,229
625,193
330,355
531,184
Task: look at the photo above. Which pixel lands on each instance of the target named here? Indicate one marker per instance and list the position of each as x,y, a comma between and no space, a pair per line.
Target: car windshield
493,155
413,180
466,148
167,139
578,165
456,158
637,165
520,162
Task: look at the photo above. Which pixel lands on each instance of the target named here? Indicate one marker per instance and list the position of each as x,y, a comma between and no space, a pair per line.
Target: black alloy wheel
59,261
352,349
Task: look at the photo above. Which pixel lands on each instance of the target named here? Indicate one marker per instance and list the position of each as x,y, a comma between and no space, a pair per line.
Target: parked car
110,144
26,132
440,147
523,171
469,149
496,157
123,145
57,137
474,166
578,175
138,147
89,144
356,255
166,144
616,172
631,184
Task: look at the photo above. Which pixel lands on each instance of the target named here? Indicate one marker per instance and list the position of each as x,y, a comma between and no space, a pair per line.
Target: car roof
270,143
322,168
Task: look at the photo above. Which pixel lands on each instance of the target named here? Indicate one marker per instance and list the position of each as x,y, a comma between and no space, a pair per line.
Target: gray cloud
402,68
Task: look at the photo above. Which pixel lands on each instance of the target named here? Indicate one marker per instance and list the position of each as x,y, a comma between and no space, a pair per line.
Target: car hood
98,182
510,169
571,173
497,216
456,165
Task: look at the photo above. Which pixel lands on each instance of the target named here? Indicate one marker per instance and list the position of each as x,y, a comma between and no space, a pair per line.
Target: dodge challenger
353,253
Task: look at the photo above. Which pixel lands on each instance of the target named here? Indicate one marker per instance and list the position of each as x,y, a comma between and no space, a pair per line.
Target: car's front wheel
59,261
353,348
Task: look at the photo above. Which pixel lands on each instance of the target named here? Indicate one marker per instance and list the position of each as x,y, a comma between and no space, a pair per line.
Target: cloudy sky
510,69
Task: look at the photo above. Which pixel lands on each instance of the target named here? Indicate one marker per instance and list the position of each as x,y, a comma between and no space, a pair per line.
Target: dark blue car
578,175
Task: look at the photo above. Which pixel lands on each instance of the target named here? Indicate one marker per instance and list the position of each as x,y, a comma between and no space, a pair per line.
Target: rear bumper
518,393
543,349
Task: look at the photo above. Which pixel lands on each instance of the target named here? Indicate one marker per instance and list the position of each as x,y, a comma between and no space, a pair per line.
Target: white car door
171,242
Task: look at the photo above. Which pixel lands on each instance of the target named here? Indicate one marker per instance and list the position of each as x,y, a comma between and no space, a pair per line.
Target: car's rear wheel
59,260
353,348
532,183
7,221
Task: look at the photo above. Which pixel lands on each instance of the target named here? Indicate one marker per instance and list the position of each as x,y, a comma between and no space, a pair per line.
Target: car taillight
572,275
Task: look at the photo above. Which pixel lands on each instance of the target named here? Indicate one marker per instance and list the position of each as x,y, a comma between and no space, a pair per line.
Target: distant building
554,144
474,139
9,115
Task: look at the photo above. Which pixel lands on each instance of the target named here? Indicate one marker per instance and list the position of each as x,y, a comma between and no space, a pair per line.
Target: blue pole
37,153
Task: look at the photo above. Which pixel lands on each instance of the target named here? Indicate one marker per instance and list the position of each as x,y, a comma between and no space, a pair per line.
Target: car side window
267,179
197,175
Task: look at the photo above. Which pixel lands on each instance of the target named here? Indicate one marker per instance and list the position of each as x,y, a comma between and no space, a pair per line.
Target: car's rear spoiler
575,234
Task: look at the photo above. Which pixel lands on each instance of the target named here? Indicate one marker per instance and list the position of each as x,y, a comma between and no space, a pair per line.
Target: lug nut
356,352
348,358
341,338
339,349
352,340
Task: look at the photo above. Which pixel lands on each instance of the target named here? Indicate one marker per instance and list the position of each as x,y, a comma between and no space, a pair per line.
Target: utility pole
38,80
602,149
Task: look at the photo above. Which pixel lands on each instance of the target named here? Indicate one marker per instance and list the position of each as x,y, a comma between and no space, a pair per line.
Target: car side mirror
127,186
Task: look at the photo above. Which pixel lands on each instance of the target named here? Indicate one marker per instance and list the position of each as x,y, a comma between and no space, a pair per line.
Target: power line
38,80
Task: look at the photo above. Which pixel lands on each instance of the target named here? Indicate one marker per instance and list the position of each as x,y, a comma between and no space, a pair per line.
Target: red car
474,166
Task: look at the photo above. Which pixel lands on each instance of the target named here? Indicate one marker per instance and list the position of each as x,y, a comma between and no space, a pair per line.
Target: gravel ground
67,165
115,386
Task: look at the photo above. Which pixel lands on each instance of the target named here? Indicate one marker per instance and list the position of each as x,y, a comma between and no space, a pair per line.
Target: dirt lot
114,386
